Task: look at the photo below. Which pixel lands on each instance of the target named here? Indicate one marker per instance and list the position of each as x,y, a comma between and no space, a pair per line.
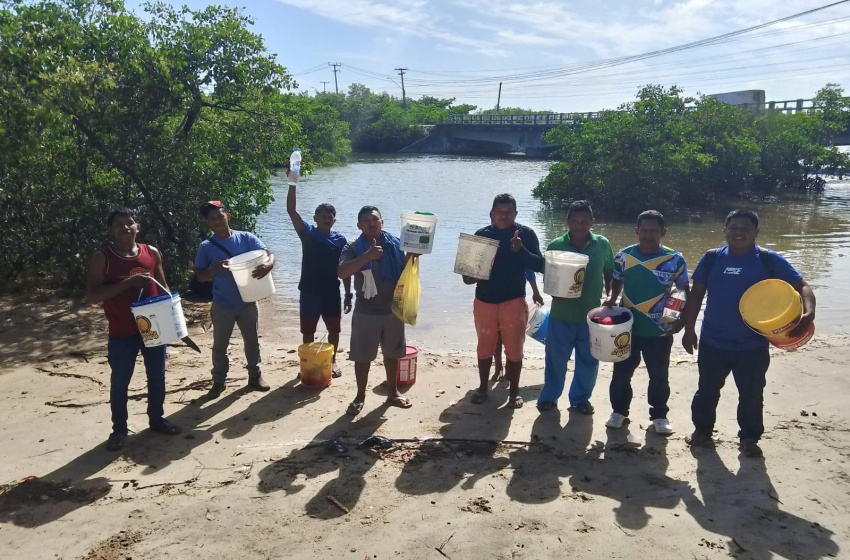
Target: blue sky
540,50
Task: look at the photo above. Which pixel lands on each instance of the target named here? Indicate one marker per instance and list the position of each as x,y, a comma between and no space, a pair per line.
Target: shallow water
813,233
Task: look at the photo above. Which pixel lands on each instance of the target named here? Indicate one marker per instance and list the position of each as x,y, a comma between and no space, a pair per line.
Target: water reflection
812,232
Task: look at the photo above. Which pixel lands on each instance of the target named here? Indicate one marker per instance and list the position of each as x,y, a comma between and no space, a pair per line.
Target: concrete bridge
502,134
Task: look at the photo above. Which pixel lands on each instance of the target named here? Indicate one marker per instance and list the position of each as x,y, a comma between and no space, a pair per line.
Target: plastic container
295,165
407,366
538,323
786,342
417,232
610,343
317,364
563,275
475,256
160,318
250,288
771,307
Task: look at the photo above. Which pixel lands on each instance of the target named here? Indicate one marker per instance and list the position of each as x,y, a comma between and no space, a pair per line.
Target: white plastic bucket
475,256
160,319
610,343
538,323
417,232
250,288
563,274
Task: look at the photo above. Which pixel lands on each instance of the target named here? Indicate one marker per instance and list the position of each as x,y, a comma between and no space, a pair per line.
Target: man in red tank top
119,275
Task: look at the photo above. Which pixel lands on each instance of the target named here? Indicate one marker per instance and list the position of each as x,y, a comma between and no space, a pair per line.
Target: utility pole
323,86
403,94
499,99
335,65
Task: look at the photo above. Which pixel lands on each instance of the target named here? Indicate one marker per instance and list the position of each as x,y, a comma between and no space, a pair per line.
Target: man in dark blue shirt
499,306
727,344
319,284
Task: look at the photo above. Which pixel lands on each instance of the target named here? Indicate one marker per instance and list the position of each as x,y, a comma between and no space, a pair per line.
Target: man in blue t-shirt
319,284
228,309
727,344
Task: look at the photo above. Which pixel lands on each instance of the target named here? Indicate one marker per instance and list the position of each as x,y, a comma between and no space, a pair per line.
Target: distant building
752,99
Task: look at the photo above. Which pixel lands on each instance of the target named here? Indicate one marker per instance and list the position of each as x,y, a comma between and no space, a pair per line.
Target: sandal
400,402
545,405
115,441
337,372
163,426
515,402
354,408
478,397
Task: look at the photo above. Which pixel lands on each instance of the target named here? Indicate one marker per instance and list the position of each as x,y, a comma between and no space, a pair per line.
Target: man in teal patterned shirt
648,270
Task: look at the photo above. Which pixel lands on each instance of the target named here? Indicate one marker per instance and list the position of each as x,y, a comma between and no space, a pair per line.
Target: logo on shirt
732,270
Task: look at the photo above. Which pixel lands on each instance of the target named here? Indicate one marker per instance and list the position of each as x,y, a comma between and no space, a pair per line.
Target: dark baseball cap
209,205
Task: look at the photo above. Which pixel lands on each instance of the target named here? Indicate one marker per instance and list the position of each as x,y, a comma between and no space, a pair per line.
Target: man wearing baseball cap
228,309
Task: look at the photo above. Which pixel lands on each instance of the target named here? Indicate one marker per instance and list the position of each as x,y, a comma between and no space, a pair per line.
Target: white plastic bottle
295,166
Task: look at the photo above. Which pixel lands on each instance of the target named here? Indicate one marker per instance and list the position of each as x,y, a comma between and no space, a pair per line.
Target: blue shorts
327,307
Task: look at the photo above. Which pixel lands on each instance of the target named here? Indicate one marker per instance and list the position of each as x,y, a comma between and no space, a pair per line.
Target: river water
813,233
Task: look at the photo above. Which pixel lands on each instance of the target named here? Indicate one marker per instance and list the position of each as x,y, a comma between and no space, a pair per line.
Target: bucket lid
411,350
156,299
770,304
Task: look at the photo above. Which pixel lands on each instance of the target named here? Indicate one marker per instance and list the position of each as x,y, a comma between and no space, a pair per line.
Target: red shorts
509,318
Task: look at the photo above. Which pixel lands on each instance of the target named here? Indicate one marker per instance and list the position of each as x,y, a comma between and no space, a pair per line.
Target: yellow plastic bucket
316,364
771,307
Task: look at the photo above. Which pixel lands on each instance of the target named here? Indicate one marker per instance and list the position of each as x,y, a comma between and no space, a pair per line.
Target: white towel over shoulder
370,289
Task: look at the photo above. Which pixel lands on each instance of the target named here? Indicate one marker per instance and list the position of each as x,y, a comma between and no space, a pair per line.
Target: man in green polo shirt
568,317
648,270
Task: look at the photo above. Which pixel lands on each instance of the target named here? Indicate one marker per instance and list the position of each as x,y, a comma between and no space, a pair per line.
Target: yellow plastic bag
406,295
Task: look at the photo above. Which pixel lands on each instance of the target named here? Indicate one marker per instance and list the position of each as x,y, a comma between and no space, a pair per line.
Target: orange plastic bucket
771,307
786,342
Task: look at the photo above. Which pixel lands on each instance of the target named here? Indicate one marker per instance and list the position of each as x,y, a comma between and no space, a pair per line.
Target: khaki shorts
370,331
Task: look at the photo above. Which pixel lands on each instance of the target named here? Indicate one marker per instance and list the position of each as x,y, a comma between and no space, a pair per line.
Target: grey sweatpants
223,320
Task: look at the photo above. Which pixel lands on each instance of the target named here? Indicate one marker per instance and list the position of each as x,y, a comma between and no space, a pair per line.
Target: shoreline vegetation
104,107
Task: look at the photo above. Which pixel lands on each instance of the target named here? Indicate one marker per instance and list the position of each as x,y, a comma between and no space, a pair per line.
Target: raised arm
291,209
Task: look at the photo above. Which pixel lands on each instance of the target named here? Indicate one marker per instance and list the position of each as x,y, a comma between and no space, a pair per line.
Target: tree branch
125,169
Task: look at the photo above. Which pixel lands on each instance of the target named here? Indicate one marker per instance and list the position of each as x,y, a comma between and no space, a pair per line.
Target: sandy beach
249,478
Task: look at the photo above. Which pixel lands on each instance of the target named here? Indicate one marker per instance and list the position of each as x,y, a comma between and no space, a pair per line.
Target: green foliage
665,151
103,108
379,122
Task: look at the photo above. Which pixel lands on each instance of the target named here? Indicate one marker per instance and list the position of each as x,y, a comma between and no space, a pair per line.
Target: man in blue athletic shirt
727,344
319,284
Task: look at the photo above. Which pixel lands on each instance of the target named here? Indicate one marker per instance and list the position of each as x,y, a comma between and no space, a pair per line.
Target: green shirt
648,279
601,261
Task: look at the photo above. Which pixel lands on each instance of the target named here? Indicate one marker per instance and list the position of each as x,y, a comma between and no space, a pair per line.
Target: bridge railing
543,119
554,119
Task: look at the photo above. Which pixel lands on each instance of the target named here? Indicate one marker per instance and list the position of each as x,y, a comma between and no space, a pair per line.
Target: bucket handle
321,341
158,284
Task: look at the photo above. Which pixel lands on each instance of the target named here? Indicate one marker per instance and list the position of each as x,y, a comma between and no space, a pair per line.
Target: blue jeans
122,359
561,339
